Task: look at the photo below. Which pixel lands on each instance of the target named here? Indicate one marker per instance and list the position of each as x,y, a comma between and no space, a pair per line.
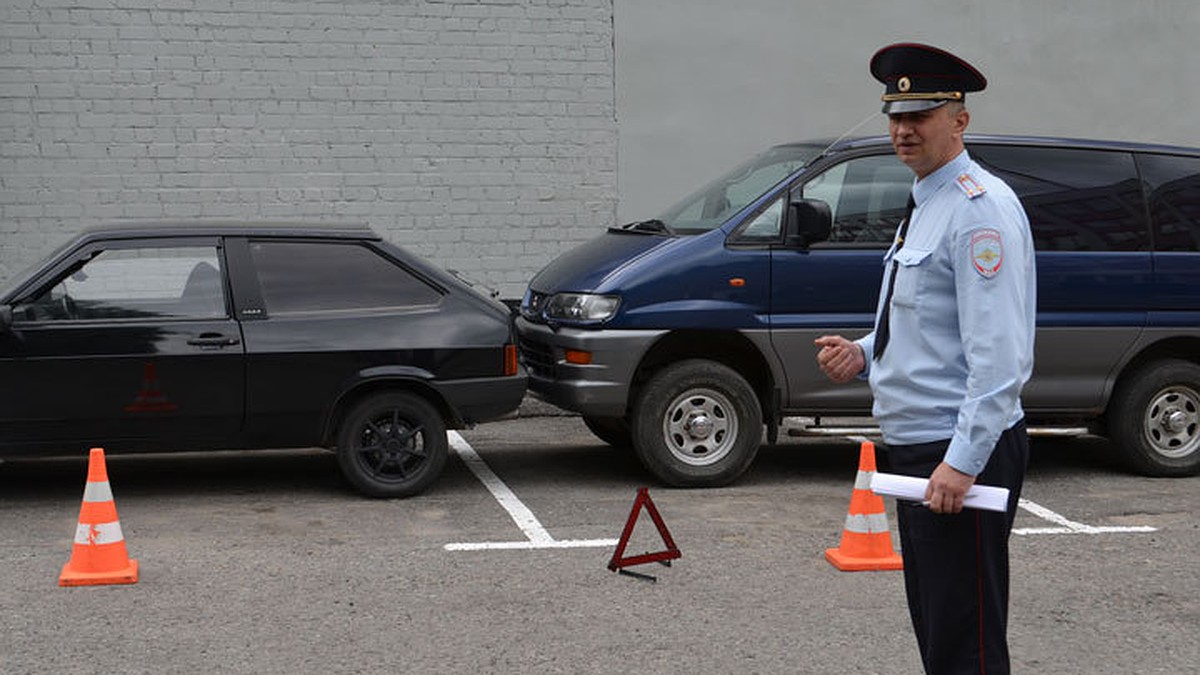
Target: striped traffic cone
99,555
866,540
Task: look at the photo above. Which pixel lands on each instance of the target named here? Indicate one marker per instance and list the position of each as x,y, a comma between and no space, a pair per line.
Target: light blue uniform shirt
962,317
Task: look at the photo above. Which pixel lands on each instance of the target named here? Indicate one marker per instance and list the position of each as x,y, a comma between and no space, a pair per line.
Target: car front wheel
392,445
1155,419
697,424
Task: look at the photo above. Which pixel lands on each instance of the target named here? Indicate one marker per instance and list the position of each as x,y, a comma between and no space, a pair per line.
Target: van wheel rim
1172,422
700,427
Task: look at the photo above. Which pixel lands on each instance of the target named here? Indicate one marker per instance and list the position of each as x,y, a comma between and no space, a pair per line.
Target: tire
392,445
1154,419
697,424
612,430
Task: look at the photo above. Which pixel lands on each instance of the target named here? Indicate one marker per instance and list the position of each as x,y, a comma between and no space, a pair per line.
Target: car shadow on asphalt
295,472
1074,455
833,459
583,463
594,464
792,462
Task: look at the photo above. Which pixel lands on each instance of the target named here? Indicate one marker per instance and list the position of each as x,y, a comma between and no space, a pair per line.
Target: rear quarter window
1076,199
1174,186
327,276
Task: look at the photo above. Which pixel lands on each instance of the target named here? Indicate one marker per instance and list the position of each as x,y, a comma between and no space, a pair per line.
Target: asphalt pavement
268,562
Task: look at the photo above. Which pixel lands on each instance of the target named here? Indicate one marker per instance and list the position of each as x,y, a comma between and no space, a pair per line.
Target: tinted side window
1076,200
1174,186
867,197
311,276
136,283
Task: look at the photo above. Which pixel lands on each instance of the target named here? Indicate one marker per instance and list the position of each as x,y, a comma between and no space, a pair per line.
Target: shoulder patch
987,252
970,187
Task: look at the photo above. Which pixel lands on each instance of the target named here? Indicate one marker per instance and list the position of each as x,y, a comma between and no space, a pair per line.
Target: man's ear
961,119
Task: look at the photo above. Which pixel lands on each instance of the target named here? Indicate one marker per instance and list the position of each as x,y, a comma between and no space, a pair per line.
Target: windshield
713,204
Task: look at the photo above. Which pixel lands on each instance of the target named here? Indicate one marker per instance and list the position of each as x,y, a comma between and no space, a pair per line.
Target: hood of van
585,267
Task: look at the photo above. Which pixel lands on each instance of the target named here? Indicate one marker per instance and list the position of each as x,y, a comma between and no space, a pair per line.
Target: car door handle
213,340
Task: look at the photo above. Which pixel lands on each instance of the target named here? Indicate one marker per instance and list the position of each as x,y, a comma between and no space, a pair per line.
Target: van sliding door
1095,277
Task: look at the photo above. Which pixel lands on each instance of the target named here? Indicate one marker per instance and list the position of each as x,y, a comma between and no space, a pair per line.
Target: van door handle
213,340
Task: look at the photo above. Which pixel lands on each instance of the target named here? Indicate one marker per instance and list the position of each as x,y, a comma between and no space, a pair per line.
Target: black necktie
882,330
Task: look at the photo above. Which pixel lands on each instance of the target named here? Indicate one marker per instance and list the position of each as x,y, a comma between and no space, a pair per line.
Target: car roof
225,228
848,144
172,229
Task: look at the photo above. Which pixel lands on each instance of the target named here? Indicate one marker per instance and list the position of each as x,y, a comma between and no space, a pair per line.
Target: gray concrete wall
464,130
702,85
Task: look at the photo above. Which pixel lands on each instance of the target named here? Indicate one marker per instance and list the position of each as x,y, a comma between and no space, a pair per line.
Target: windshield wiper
653,225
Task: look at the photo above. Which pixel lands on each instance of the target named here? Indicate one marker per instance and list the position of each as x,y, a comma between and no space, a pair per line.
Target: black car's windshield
713,204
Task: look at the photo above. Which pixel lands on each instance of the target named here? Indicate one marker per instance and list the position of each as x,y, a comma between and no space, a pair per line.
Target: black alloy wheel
392,445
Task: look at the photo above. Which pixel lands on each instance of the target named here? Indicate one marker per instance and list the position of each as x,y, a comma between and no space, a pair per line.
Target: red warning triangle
672,551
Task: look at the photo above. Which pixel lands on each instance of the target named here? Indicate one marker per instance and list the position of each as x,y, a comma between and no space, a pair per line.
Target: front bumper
600,388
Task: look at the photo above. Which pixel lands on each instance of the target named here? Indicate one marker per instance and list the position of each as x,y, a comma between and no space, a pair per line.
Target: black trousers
956,565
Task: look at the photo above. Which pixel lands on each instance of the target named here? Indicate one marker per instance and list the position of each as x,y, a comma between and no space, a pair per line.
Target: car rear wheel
612,430
1154,419
392,445
697,424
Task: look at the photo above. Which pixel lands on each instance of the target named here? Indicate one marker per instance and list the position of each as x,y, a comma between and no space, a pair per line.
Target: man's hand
840,359
947,488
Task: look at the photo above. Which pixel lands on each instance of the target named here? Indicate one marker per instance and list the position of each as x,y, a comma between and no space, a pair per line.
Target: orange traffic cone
99,555
866,540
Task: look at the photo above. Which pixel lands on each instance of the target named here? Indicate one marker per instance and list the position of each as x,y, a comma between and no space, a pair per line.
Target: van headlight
581,307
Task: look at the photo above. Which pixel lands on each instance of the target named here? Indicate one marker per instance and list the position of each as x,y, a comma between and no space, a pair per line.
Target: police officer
951,349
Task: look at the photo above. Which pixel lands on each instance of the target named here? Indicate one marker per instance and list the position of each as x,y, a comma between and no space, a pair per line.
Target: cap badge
904,84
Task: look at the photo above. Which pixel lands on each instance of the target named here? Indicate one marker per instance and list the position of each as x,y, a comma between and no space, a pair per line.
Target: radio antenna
851,130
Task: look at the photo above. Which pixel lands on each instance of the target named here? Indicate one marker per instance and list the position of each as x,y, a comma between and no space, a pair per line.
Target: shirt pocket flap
908,257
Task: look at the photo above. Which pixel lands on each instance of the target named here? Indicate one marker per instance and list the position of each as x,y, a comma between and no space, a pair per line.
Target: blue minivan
687,335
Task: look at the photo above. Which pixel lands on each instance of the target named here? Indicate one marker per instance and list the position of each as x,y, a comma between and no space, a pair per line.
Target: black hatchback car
242,336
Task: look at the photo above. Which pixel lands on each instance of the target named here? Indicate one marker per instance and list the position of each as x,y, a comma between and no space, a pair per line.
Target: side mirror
6,318
811,221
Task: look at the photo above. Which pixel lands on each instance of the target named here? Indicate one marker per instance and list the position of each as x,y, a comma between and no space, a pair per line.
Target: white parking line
1068,526
537,535
538,538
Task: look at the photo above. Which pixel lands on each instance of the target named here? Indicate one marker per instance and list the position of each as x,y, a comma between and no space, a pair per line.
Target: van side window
764,226
1174,186
867,197
1076,199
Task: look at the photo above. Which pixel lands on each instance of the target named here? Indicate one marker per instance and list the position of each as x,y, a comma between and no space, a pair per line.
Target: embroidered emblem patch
987,252
970,186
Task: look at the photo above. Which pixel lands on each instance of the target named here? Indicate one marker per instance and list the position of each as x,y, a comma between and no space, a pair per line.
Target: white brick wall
480,134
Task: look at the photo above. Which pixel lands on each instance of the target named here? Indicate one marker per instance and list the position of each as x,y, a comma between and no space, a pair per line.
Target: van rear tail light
510,359
578,357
